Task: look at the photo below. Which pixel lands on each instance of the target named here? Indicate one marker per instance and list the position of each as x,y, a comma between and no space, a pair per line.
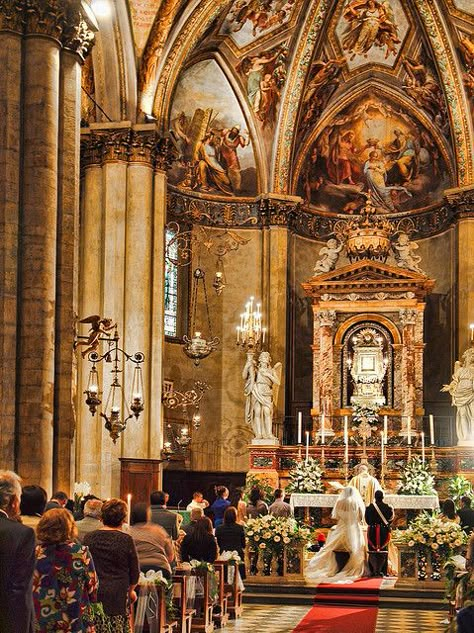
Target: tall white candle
382,452
431,430
423,447
471,327
307,446
300,426
409,430
385,429
322,428
129,507
346,430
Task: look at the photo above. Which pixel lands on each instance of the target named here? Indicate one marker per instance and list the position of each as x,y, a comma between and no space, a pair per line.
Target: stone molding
126,145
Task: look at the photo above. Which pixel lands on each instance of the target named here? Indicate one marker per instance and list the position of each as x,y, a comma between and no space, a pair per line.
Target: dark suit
17,563
378,536
167,520
467,519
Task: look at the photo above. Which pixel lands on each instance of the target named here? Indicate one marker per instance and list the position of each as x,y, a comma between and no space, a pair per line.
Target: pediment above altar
378,279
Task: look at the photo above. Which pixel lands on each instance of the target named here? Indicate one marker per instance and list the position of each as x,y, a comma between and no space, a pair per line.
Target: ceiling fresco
327,100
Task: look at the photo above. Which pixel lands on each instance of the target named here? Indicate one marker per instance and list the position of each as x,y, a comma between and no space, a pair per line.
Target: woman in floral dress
64,581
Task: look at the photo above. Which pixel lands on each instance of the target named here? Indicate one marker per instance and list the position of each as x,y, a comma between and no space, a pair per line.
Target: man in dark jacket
160,515
466,514
17,560
378,516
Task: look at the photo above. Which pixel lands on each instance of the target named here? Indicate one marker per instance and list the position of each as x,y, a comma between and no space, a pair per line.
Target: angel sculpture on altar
261,391
343,558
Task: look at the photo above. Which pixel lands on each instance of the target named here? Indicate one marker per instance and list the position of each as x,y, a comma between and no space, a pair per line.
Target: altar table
405,502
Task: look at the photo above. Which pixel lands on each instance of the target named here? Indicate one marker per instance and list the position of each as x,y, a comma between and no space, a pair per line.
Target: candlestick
307,446
129,507
300,426
431,430
382,452
423,447
385,428
409,430
346,430
322,428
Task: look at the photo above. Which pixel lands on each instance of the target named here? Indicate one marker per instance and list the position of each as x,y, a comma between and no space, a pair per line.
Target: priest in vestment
365,484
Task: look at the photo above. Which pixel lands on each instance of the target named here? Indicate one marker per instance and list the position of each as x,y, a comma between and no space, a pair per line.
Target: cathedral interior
162,162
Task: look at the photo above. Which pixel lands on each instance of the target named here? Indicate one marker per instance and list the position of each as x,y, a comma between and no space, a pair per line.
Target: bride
346,536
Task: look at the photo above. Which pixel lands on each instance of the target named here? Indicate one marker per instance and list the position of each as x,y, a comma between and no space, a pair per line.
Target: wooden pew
163,625
185,615
202,622
221,615
235,594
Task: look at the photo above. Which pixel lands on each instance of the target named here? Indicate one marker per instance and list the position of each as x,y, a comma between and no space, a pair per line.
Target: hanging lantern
196,347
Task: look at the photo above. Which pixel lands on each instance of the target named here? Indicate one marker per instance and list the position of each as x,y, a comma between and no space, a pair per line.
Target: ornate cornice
461,202
12,16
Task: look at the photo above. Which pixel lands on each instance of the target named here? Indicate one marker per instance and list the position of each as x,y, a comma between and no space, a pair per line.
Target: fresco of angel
370,23
423,87
262,14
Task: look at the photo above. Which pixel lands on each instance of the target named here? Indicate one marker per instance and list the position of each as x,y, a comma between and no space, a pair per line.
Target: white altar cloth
406,502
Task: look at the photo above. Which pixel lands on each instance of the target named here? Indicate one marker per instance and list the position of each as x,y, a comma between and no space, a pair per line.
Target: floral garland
417,479
272,533
306,477
156,578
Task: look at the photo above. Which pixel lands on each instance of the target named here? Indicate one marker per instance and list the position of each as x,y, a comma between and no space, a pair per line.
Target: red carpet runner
343,608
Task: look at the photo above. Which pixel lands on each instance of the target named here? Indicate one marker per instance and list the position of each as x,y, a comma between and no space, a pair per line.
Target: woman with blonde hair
116,561
64,581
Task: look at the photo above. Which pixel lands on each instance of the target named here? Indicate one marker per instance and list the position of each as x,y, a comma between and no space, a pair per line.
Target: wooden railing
285,566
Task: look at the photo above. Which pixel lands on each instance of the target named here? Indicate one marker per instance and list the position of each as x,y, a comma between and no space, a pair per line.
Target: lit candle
115,409
471,327
137,396
94,389
409,430
129,507
385,429
346,430
238,334
423,447
322,428
431,430
307,446
300,426
264,331
382,452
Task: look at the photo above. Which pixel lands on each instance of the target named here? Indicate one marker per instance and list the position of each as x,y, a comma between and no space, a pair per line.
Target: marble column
408,321
11,28
465,272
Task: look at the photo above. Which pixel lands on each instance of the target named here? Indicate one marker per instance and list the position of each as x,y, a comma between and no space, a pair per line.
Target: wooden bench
202,621
185,615
163,626
221,614
233,590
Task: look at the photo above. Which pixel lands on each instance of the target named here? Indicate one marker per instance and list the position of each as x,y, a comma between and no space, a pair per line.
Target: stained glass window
171,286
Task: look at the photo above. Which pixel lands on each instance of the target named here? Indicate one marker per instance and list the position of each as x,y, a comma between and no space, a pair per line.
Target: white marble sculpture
261,392
405,253
461,389
329,256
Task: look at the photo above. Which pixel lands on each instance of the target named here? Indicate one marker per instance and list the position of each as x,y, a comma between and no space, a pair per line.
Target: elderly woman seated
154,545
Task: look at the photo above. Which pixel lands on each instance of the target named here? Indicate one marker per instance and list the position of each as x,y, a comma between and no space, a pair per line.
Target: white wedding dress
346,536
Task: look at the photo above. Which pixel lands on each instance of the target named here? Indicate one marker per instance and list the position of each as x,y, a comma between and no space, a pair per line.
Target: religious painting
324,78
210,135
466,46
372,31
373,147
247,20
423,86
265,75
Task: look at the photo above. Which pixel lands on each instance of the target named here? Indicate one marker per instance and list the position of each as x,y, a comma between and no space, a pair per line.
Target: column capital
78,33
279,210
164,154
12,15
461,201
45,17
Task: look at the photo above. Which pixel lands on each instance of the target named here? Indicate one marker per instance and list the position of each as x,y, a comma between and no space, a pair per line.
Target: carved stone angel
261,390
329,256
98,326
461,389
405,253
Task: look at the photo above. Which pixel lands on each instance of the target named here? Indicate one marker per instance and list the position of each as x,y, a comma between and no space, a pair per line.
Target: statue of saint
261,391
365,484
461,389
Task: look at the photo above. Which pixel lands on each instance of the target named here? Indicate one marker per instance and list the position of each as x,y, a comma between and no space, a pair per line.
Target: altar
399,502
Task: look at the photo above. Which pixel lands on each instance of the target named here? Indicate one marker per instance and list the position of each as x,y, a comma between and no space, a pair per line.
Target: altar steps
304,595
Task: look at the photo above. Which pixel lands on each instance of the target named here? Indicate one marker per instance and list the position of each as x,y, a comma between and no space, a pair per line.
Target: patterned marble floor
275,619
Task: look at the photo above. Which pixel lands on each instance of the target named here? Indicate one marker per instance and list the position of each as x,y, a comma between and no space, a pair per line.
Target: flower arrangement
81,489
263,483
417,479
230,557
306,477
364,414
459,486
431,533
153,578
272,534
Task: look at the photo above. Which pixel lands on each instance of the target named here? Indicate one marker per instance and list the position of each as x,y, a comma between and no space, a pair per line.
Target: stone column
139,328
11,27
408,320
327,319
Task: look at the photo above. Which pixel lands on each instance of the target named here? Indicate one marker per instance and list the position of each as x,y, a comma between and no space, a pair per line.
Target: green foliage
364,414
459,486
417,479
253,481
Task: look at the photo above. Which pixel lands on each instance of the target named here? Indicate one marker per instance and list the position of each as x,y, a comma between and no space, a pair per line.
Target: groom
378,517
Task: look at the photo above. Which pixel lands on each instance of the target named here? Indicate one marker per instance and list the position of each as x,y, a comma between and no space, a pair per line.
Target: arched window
171,285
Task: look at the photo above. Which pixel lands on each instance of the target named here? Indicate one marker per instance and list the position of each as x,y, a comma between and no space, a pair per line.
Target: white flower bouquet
432,533
306,477
417,479
272,534
81,489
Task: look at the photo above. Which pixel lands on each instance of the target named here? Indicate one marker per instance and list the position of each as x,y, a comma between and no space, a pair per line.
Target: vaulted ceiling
324,95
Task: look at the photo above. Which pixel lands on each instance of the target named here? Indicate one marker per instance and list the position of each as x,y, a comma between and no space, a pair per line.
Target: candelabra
250,333
115,423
